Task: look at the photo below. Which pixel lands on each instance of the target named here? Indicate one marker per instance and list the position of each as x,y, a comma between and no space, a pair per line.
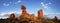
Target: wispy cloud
9,3
49,3
45,5
18,2
6,4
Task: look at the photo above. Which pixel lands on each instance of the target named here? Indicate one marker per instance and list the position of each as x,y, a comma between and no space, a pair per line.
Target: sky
50,8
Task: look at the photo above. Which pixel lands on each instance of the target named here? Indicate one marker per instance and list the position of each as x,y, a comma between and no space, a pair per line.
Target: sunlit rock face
23,8
24,12
18,18
32,16
12,16
40,13
27,15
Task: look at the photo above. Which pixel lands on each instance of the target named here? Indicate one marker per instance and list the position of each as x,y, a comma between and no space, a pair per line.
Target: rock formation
12,16
40,14
24,12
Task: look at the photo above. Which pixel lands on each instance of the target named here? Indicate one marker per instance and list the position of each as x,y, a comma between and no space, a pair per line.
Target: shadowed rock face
12,16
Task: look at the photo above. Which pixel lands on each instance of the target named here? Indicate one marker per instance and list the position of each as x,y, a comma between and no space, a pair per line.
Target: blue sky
50,7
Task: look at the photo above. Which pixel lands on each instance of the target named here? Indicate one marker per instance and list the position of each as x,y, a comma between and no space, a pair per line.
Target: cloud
42,4
16,12
18,2
52,15
6,4
49,3
2,14
3,17
6,14
45,5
